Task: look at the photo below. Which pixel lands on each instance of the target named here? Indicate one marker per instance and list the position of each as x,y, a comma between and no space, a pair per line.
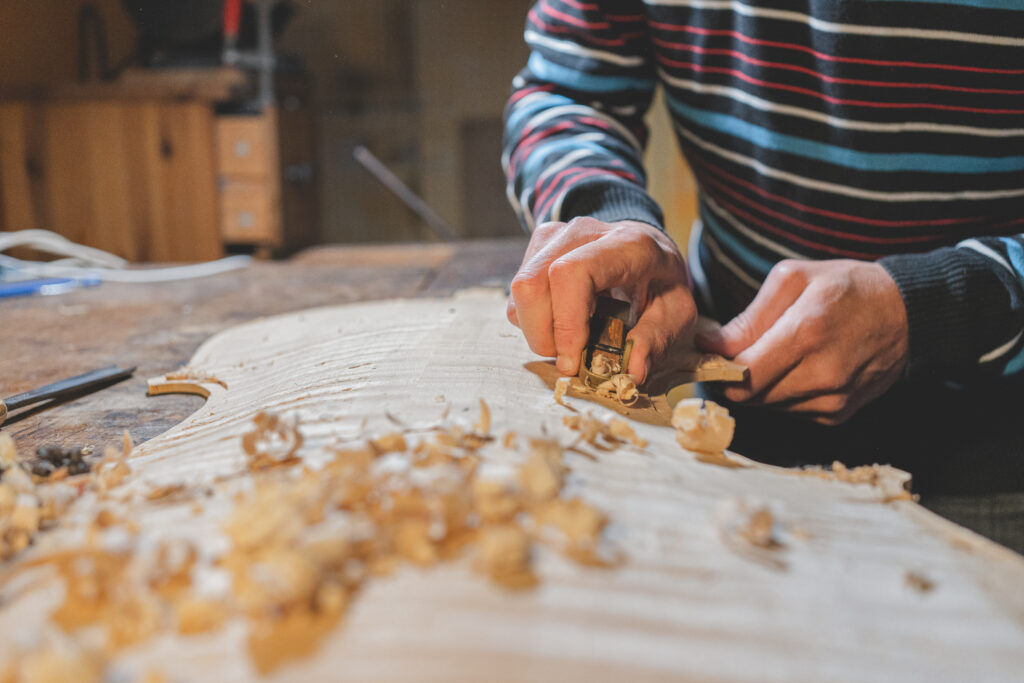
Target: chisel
80,384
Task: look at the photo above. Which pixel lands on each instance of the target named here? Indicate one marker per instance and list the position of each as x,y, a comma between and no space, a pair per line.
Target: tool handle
64,387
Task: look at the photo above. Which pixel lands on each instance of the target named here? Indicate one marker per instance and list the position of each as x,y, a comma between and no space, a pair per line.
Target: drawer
249,214
244,146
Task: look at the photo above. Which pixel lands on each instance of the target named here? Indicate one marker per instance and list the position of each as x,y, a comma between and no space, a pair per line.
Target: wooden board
833,604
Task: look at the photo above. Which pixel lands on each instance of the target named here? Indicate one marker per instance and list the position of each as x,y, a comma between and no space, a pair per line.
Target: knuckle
546,230
527,287
564,270
788,270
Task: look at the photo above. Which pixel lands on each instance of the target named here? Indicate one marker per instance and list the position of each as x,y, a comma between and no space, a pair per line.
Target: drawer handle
242,148
246,219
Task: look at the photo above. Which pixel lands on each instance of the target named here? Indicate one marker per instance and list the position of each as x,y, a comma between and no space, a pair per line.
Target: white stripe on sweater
845,190
570,48
750,234
570,109
832,27
851,124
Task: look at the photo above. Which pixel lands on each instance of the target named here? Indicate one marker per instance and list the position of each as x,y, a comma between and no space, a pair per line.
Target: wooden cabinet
155,174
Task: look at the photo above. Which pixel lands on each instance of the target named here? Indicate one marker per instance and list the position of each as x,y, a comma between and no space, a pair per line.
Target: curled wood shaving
621,388
702,426
273,440
605,366
191,374
597,432
303,542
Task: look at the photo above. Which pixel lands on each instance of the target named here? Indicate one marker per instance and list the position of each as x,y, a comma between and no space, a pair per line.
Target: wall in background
39,43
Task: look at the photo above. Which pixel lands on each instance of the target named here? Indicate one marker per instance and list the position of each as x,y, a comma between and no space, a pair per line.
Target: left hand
821,338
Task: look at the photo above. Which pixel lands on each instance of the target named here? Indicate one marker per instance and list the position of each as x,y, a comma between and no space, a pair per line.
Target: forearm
574,131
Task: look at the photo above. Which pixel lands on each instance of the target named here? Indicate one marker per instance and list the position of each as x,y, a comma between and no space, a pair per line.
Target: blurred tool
80,384
371,163
45,286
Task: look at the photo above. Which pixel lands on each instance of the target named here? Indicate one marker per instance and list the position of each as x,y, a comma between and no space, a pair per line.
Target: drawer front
243,146
248,214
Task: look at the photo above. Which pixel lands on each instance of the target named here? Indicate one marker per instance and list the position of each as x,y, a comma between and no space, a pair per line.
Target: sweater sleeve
574,127
965,307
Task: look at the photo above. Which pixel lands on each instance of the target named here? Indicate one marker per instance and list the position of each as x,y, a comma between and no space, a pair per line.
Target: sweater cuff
940,314
611,200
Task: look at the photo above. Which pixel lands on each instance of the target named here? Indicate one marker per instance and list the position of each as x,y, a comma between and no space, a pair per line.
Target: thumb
783,286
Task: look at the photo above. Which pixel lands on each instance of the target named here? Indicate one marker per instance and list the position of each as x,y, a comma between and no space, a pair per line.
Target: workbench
854,581
157,327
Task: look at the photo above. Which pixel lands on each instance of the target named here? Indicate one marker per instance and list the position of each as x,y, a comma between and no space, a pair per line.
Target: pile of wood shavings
304,542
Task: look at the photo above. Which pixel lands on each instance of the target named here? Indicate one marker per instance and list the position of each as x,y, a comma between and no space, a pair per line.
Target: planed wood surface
834,604
158,327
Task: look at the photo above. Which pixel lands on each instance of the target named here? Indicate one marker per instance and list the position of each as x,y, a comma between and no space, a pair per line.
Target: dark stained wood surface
158,327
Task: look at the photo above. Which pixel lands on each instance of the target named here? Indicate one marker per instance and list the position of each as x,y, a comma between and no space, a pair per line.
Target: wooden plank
190,181
16,210
834,603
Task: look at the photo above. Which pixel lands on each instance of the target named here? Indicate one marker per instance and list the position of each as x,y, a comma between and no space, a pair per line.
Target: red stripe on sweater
828,79
583,37
841,234
832,58
828,98
577,173
697,162
790,237
546,8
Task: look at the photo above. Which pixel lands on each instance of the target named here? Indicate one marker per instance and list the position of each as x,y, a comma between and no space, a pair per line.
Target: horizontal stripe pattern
844,129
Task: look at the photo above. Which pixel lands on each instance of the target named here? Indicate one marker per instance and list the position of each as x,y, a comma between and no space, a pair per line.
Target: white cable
82,261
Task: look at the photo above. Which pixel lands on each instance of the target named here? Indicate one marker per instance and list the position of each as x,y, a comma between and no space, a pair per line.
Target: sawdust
303,542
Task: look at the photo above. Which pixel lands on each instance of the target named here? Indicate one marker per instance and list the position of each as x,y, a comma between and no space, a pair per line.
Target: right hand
568,264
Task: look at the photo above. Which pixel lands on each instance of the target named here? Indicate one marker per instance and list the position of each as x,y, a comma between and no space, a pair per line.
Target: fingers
530,290
772,356
783,286
510,312
664,320
572,304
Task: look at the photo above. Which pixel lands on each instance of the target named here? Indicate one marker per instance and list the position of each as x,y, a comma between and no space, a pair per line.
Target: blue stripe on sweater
578,80
841,156
1015,253
980,4
747,258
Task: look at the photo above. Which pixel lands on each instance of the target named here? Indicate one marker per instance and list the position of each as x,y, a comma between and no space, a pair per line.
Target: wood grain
836,606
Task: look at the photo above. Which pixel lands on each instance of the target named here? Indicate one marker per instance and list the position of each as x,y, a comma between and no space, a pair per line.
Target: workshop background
123,127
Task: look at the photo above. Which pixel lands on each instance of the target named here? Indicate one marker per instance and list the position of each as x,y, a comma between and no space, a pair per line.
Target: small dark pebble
78,467
42,468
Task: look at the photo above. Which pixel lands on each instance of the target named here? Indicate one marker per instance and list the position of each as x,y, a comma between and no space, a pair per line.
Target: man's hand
568,264
820,338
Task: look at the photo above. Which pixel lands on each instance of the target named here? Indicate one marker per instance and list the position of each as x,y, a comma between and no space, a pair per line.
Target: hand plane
607,351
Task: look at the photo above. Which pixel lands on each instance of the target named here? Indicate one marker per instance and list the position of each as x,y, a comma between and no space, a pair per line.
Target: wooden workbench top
157,327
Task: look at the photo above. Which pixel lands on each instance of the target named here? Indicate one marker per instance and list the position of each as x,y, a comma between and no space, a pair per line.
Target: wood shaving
303,542
597,432
622,388
893,483
604,365
483,425
750,530
192,375
919,582
561,387
702,426
273,441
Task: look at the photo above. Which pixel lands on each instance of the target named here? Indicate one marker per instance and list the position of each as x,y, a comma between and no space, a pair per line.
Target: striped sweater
889,130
